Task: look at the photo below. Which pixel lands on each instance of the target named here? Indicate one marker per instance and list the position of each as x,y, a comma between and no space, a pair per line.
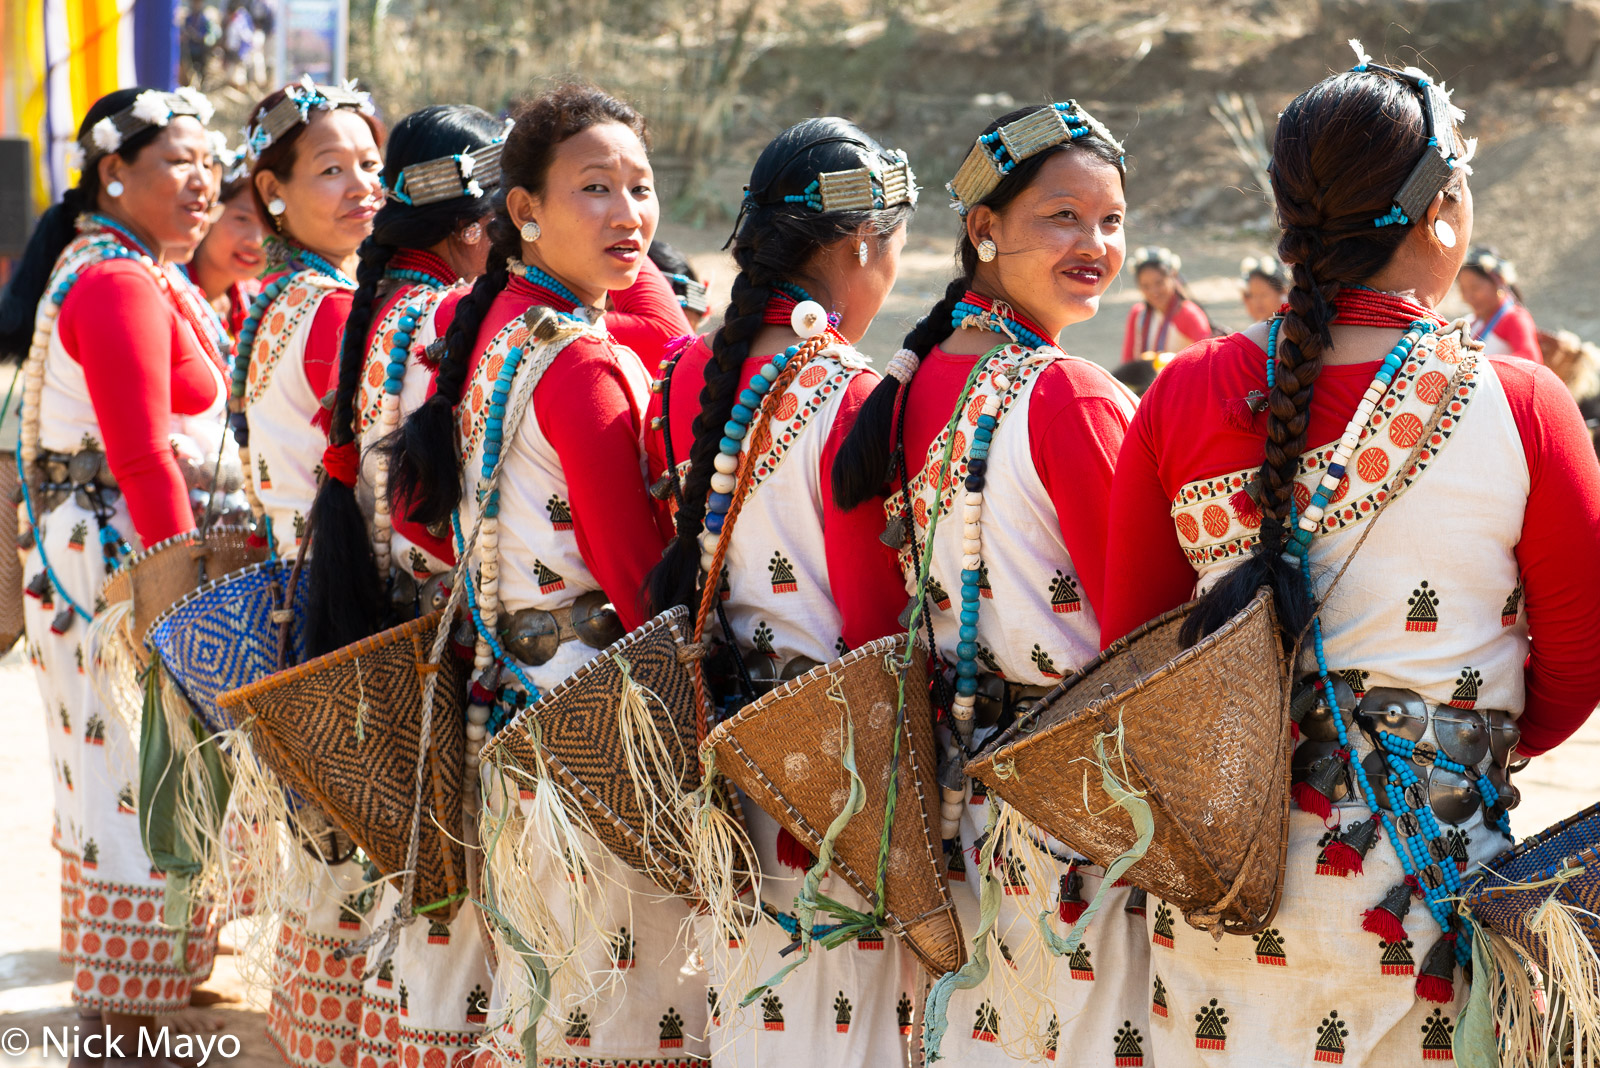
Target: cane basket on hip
787,752
581,732
344,730
1204,738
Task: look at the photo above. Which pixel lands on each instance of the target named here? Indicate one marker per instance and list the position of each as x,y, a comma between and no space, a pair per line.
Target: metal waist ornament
299,101
995,154
1445,154
468,174
150,108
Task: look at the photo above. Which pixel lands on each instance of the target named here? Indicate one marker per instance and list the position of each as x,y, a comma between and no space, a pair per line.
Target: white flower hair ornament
72,155
150,107
107,138
203,109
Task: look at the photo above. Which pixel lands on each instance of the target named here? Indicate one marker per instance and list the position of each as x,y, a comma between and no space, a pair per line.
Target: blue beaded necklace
1412,827
544,280
980,312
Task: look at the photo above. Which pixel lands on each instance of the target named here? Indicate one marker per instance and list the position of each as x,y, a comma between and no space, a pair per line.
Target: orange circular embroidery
516,338
812,376
1216,520
275,324
492,368
1431,386
788,404
1405,430
1302,495
1372,464
974,409
1344,487
1188,527
296,295
374,375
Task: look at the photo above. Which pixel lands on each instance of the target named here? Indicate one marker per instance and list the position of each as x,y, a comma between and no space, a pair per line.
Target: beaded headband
1501,270
693,295
150,108
996,154
1444,154
1156,256
463,175
860,189
299,101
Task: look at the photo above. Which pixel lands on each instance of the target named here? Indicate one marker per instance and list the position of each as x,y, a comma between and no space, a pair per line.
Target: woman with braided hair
806,581
1457,495
533,383
122,395
1014,588
314,152
440,169
427,246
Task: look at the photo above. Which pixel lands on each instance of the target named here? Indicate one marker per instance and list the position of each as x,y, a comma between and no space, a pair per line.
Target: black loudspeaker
16,194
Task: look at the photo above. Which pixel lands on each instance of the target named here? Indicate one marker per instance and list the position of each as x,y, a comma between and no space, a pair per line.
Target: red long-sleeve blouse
1183,317
647,315
1180,435
1075,428
863,575
585,409
142,363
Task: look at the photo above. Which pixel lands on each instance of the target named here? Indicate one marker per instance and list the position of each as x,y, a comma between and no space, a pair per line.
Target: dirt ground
34,985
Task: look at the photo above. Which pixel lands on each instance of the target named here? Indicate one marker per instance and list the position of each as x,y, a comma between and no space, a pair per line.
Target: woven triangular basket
343,730
786,753
573,730
222,636
157,578
1505,896
1206,740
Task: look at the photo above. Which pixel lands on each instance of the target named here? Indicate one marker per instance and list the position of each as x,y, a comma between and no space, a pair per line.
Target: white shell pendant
808,319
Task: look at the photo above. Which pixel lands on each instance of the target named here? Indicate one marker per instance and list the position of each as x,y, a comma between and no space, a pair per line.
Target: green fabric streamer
1138,809
164,800
1474,1044
935,1019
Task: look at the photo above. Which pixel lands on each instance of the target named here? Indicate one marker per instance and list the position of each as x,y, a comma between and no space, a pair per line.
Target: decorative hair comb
150,108
1444,154
299,101
1493,265
463,175
860,189
995,154
693,295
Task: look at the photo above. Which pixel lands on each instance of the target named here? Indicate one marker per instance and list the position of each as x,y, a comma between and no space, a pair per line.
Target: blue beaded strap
965,310
487,634
744,411
247,338
395,372
1412,850
310,260
50,572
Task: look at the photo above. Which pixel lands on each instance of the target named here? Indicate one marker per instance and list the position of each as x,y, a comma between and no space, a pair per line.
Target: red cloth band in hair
342,462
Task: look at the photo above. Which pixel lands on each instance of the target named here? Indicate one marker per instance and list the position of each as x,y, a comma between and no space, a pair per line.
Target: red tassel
1341,858
1383,923
1237,413
1294,730
1071,911
1436,989
791,854
1310,800
1245,507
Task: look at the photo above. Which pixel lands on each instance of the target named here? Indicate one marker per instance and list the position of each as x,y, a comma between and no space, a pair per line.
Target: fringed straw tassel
1572,971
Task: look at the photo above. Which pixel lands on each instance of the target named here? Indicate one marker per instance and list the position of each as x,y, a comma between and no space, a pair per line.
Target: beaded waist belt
534,635
1443,759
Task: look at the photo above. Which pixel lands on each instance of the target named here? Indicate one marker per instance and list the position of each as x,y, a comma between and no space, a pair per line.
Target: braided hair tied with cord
1343,151
347,600
788,230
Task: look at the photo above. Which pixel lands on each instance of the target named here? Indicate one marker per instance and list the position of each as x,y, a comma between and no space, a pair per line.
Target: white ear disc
808,318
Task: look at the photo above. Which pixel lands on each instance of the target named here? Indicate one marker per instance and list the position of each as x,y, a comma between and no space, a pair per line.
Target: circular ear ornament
987,250
276,206
1445,233
808,318
114,188
530,231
